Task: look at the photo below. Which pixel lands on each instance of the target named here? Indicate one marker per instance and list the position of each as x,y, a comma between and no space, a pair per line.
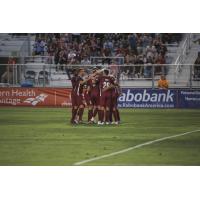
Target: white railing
111,58
51,75
39,59
182,56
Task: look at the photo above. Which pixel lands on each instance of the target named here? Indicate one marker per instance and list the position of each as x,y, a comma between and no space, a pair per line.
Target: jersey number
106,84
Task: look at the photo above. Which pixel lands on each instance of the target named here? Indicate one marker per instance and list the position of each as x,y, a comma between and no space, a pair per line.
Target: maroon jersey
116,91
105,82
73,81
94,87
77,87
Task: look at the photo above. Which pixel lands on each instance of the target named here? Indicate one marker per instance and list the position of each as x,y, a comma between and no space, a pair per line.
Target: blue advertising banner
148,98
188,98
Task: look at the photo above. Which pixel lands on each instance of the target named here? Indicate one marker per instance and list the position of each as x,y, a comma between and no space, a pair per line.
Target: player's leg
111,111
116,111
118,115
107,113
80,108
101,110
90,113
90,107
74,108
80,113
95,104
95,111
98,107
108,108
99,113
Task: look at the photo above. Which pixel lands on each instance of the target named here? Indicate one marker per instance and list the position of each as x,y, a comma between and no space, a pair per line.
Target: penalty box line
134,147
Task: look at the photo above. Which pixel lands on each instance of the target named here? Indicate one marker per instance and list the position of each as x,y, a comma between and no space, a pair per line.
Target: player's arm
108,88
119,89
112,85
88,89
86,80
99,71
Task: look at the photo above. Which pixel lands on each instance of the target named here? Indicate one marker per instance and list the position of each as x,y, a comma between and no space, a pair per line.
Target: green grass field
43,136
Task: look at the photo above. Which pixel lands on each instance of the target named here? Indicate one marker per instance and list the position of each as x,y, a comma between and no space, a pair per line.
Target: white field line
134,147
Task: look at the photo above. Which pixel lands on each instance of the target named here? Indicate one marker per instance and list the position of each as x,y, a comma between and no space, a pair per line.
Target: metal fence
51,75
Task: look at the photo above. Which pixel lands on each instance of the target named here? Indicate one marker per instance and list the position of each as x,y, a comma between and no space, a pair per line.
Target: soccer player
95,95
116,92
106,83
73,97
87,98
77,96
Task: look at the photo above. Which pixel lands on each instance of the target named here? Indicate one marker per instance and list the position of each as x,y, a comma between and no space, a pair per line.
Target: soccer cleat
76,121
107,123
93,120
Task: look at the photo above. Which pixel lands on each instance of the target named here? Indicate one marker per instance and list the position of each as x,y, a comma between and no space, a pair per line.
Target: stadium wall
130,98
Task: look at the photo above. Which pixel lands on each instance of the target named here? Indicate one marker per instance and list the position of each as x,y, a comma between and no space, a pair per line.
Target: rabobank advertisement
148,98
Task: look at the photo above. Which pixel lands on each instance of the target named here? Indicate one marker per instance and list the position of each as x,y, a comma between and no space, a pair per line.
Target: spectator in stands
148,67
39,47
135,48
71,56
62,59
160,60
85,61
7,76
163,83
132,42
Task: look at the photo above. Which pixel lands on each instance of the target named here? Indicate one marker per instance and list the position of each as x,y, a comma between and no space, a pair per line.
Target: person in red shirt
77,96
87,100
106,83
95,95
73,97
7,76
116,92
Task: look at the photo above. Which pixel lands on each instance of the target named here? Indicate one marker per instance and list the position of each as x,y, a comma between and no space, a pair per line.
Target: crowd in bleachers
134,48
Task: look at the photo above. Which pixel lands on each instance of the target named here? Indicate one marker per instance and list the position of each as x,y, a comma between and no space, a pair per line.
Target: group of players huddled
98,92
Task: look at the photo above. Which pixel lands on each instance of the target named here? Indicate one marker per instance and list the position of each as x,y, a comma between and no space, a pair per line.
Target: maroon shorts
106,99
73,99
114,100
77,100
87,99
95,99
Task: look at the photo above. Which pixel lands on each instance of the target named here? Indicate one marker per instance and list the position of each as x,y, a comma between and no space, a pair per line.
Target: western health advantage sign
35,97
148,98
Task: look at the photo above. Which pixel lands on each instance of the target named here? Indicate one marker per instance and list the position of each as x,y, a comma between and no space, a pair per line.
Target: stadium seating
136,53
